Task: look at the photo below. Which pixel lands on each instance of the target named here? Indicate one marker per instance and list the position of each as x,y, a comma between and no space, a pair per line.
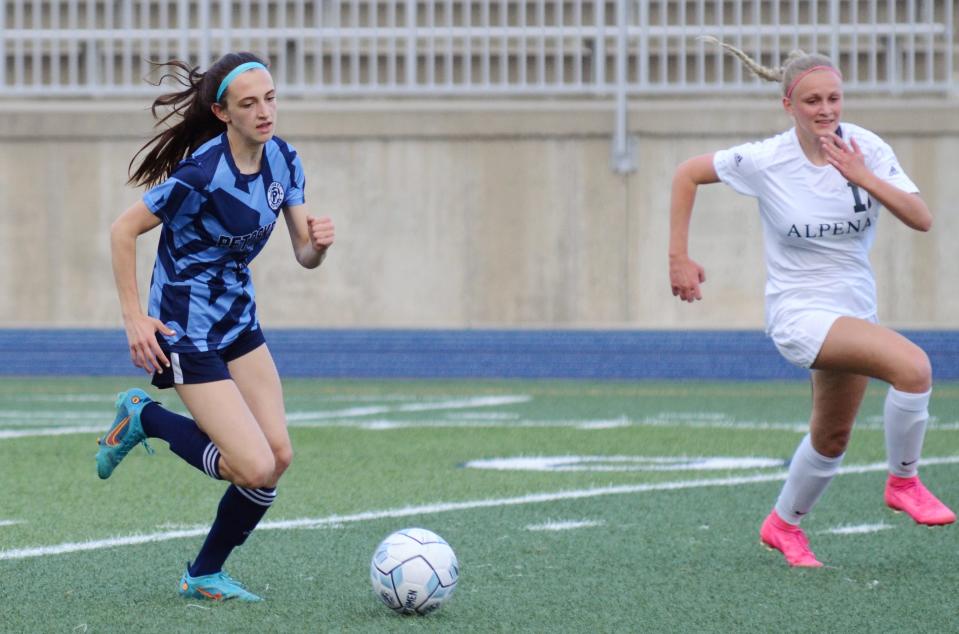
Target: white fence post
624,152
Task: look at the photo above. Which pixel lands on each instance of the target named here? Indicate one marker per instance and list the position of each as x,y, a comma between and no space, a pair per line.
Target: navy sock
239,512
185,438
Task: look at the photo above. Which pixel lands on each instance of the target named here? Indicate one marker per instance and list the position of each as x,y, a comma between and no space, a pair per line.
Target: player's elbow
921,216
120,230
683,175
310,258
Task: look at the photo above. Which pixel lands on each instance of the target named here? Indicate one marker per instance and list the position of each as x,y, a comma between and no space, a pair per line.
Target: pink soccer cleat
789,540
910,496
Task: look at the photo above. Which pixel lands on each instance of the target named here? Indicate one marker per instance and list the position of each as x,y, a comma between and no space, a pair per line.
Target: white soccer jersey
817,227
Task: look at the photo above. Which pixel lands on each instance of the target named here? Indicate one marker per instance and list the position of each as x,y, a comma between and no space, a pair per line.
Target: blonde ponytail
795,64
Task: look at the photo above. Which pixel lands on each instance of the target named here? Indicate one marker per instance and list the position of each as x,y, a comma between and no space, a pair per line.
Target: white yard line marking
378,424
564,526
372,424
719,422
72,421
623,463
320,420
63,398
10,522
470,416
49,431
615,423
465,403
75,547
48,413
353,398
467,420
857,530
479,401
443,507
28,418
104,397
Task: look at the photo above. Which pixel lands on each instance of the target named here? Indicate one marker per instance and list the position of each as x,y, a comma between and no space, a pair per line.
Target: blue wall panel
580,354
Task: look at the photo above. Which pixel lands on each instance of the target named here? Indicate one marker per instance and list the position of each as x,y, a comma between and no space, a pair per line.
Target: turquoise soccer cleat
125,432
216,587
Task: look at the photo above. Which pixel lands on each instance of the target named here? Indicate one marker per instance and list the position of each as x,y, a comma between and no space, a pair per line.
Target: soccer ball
414,571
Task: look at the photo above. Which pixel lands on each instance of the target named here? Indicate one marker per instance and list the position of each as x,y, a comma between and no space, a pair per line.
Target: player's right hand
145,351
322,232
685,276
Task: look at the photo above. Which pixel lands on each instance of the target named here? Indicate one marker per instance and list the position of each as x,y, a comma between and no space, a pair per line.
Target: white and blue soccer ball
414,571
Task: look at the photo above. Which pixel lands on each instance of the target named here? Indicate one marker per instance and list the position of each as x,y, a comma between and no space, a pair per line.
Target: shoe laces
226,578
796,539
920,494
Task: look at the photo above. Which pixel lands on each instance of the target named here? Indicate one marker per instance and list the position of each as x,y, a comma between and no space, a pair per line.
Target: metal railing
467,48
603,49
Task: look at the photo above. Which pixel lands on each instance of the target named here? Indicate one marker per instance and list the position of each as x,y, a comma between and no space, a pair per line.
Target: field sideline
572,506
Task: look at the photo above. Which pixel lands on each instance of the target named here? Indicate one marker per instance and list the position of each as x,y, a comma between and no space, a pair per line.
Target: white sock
905,415
809,474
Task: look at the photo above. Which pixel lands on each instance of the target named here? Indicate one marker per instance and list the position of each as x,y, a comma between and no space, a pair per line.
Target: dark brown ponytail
193,106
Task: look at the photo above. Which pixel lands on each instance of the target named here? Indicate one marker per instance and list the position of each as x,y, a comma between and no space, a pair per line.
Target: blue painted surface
577,354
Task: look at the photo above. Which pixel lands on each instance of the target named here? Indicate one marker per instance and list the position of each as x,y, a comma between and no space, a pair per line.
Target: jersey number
859,207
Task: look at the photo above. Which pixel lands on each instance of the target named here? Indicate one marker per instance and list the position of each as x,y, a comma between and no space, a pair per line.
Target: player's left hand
847,158
322,232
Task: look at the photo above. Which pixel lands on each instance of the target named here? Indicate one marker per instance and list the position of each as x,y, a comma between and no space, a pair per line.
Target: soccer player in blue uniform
218,180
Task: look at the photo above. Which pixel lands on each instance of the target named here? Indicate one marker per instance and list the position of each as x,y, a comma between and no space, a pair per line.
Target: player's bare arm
145,352
848,158
311,236
685,275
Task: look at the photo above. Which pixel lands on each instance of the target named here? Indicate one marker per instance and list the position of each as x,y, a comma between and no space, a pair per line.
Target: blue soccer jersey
215,221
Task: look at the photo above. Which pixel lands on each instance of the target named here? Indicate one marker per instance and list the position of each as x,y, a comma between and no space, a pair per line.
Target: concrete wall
467,215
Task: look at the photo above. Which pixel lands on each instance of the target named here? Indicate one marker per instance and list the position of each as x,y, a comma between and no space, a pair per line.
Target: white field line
386,424
32,414
10,522
322,420
471,416
63,398
623,463
371,424
100,397
605,424
23,418
565,525
50,431
485,422
464,403
442,507
859,529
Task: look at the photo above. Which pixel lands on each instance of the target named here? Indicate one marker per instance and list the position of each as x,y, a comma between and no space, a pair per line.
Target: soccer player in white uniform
820,187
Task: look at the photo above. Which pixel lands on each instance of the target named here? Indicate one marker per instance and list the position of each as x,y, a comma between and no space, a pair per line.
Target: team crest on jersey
274,195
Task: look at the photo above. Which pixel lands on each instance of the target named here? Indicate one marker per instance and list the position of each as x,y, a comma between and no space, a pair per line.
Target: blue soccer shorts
188,368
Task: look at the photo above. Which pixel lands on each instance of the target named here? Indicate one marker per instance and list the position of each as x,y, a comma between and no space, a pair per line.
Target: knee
256,473
282,459
832,444
915,373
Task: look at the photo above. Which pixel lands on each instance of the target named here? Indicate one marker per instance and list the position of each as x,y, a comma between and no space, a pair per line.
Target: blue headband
242,68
